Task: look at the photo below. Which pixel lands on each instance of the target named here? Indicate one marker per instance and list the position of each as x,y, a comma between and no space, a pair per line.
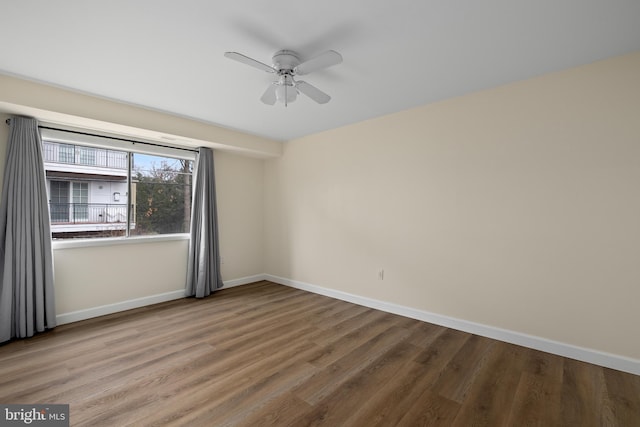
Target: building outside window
91,194
66,153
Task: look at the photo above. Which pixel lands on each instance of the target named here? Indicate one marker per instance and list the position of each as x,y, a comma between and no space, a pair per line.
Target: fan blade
313,92
324,60
269,96
249,61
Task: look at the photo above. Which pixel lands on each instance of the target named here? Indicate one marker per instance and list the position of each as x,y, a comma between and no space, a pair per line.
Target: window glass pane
89,192
65,153
59,202
86,156
162,190
57,153
80,201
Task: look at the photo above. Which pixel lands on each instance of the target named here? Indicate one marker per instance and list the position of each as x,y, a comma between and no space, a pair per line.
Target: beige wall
240,197
66,107
95,276
91,277
516,207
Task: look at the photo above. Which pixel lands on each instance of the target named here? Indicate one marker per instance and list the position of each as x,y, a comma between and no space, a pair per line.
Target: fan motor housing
285,60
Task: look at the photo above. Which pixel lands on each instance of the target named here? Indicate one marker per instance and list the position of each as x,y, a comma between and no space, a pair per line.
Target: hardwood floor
265,354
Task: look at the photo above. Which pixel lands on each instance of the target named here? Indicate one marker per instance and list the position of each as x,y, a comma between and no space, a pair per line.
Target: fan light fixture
286,94
285,90
286,66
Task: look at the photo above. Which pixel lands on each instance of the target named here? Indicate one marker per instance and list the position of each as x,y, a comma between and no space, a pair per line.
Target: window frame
118,143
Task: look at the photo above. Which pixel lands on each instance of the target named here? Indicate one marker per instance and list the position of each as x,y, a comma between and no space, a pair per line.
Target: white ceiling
168,55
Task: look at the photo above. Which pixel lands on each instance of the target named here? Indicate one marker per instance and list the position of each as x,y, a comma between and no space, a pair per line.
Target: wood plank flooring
268,355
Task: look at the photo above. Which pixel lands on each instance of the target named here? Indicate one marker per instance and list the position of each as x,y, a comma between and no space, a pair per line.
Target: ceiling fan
287,65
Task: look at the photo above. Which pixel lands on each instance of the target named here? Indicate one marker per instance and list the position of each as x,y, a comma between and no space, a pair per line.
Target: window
163,194
59,201
66,153
86,155
93,193
80,201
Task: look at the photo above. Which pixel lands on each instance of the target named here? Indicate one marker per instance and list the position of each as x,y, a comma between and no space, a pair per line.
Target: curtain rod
8,121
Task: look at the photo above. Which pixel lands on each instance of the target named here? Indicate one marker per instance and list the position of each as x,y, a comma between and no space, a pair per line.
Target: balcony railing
87,213
55,152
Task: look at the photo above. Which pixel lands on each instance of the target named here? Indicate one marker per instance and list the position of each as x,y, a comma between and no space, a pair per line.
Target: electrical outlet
381,274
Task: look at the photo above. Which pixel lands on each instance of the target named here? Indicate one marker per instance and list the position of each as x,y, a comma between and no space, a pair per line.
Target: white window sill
113,241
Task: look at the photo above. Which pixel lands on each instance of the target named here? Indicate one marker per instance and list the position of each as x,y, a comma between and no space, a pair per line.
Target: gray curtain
203,272
26,259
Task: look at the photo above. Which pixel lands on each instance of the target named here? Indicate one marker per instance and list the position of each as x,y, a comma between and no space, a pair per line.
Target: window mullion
129,204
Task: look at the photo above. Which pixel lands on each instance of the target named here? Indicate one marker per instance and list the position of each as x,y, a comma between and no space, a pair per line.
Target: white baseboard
244,280
596,357
102,310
